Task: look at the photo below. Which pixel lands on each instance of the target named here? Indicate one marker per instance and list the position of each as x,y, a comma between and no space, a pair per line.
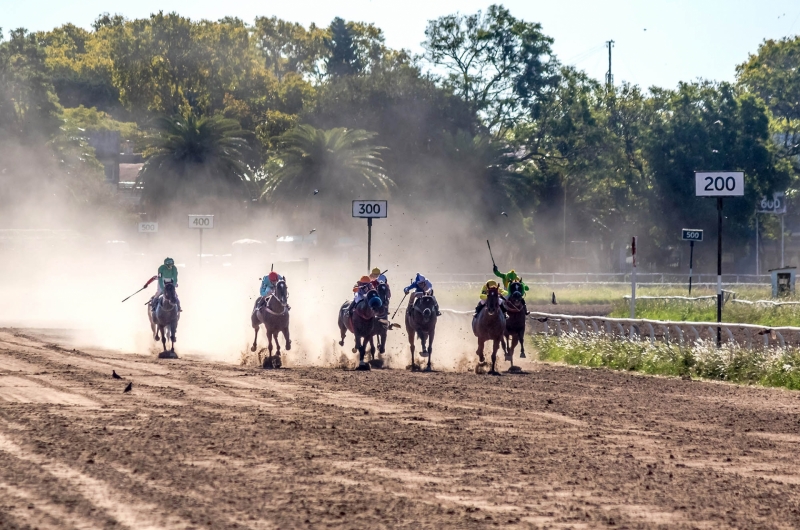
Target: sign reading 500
201,221
370,209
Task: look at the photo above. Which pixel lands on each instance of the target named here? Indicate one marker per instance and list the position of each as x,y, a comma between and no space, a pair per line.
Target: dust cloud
64,268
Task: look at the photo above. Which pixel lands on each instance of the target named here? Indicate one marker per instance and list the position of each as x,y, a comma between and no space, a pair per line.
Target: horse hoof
515,370
428,368
341,343
412,367
253,348
494,372
381,350
354,350
167,355
522,355
480,368
363,367
288,346
276,362
376,363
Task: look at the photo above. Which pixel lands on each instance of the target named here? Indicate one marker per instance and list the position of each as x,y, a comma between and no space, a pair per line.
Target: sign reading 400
201,221
370,209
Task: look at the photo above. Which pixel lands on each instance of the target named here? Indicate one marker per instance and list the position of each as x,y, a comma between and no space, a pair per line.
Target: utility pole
609,77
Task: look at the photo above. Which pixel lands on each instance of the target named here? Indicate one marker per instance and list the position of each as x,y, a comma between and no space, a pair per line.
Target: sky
657,43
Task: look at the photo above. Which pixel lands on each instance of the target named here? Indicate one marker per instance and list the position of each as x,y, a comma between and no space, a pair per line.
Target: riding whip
137,292
490,253
399,306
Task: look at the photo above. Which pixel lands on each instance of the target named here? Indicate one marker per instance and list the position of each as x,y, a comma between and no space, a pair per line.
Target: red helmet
273,276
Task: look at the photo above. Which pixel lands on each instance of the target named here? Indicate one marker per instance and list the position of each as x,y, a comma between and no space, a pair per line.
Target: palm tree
189,157
341,164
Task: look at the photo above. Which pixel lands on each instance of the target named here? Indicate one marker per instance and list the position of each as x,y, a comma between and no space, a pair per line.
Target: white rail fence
749,335
567,278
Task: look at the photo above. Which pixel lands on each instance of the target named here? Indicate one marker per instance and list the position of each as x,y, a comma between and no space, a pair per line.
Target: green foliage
340,163
500,65
28,106
84,119
190,157
773,74
778,367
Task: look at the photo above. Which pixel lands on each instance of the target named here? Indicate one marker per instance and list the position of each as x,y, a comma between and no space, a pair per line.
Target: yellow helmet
491,284
375,272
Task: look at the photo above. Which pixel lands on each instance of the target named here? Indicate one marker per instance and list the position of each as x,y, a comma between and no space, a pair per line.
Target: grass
773,367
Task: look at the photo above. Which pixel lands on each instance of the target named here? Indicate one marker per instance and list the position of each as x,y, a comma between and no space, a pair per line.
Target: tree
501,66
774,75
288,47
343,58
28,106
340,163
191,157
709,126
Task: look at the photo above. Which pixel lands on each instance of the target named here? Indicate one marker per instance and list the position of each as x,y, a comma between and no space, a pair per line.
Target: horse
421,320
515,322
163,314
362,324
489,324
274,314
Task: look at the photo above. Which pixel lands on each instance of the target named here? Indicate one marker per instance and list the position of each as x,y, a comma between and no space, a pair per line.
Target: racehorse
274,314
489,324
164,316
515,322
421,320
362,323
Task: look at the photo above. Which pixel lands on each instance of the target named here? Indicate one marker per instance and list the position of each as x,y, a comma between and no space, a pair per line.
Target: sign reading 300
373,209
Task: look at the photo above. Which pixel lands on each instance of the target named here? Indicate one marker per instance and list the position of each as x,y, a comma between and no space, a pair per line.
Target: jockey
268,283
167,273
378,277
421,285
510,277
360,290
491,284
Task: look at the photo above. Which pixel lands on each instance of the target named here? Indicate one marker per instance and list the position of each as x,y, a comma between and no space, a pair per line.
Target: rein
270,310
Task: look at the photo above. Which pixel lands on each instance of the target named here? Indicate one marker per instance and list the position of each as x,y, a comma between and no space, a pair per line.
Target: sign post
691,235
633,278
370,210
719,184
201,222
776,206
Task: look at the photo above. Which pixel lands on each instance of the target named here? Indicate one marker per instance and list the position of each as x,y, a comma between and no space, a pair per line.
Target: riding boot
350,309
436,307
478,308
525,307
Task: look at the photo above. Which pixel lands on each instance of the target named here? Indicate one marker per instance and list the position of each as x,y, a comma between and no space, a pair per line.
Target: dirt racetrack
208,445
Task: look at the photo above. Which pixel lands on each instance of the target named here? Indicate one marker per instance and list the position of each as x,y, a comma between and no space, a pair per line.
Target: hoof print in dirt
272,362
363,367
480,368
376,363
167,355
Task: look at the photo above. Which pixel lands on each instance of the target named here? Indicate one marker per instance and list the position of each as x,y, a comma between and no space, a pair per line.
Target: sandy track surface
204,445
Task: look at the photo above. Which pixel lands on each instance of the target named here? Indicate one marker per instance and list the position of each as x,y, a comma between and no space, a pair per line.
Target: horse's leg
522,343
255,341
163,338
342,328
361,346
430,349
286,338
269,341
411,338
277,344
495,347
479,351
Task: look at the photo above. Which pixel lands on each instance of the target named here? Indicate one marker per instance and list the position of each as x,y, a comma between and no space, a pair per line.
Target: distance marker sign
148,227
370,209
691,234
719,184
201,221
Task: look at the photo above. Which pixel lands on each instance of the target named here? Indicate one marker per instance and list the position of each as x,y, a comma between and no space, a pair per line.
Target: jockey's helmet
273,276
512,275
365,279
375,272
491,284
169,261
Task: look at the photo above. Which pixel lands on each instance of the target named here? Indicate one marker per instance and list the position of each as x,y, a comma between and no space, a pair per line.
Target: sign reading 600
201,221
